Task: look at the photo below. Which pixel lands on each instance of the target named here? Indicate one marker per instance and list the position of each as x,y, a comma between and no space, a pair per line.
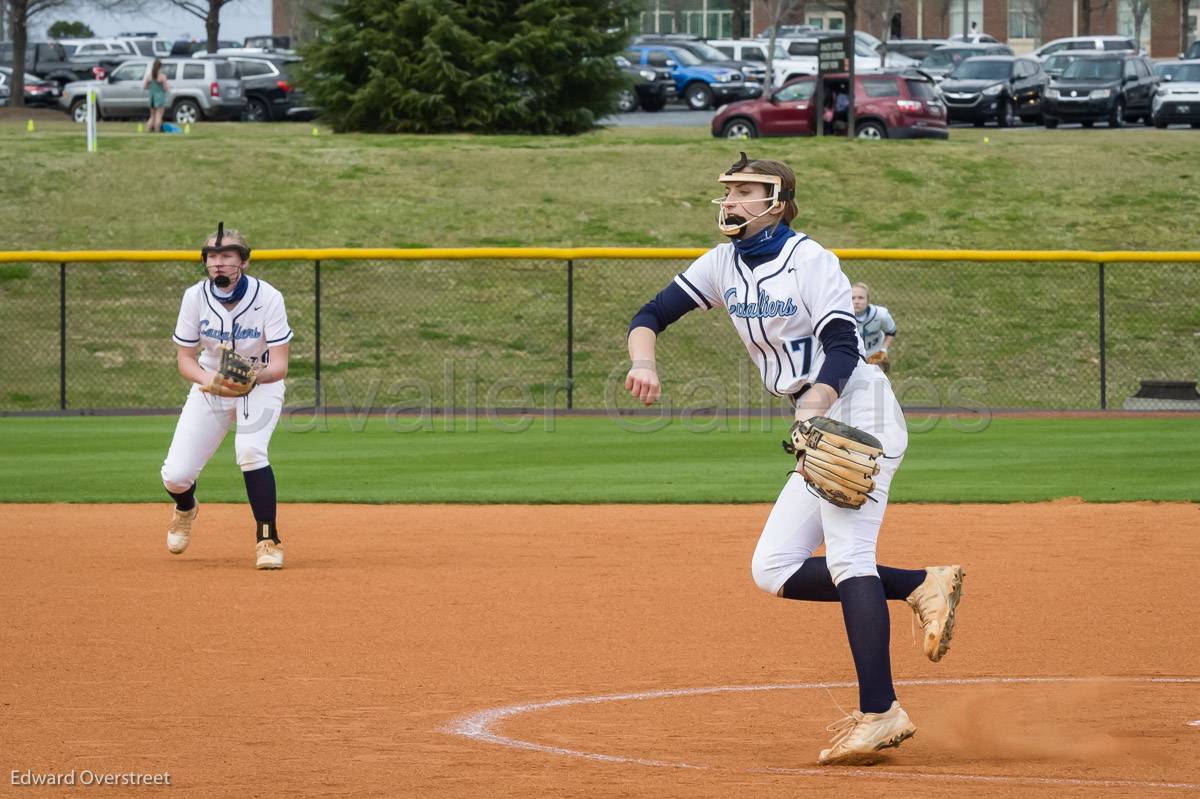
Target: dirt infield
411,651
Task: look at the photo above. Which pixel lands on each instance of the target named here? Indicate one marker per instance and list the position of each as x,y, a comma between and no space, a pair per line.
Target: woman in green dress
157,84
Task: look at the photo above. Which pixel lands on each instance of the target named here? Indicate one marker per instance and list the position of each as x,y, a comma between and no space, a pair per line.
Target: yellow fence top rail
589,253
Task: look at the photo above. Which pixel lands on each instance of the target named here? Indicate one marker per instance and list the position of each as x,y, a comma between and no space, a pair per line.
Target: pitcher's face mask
733,224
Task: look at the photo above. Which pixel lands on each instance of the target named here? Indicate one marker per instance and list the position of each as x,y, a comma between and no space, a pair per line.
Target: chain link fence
463,335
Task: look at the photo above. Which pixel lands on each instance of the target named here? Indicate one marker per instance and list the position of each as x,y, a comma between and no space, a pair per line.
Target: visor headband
218,245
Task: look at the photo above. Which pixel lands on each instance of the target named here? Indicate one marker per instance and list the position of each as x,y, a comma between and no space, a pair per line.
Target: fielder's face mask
733,224
220,245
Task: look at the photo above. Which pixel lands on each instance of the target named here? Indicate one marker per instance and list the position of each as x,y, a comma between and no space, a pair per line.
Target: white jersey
873,325
256,323
778,308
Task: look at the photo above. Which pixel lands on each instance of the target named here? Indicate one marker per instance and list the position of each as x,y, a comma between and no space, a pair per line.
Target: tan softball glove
839,462
880,359
234,378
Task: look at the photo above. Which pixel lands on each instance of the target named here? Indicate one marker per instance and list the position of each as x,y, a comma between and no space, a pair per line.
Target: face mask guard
219,245
737,174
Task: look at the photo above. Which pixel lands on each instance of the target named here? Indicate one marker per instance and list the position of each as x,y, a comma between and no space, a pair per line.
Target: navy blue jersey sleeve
840,344
667,306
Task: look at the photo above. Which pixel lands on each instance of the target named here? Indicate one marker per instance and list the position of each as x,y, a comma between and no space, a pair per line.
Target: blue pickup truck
701,85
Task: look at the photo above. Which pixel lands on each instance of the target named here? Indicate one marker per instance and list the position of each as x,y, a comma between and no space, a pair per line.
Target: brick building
1163,30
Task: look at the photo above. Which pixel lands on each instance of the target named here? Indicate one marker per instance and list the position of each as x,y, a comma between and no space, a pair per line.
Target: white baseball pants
203,423
800,521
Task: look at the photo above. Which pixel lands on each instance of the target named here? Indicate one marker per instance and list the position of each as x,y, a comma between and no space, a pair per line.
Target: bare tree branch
210,12
1138,9
777,12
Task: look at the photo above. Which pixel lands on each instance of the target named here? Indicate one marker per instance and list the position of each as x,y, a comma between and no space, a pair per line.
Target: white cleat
179,531
269,555
860,735
934,603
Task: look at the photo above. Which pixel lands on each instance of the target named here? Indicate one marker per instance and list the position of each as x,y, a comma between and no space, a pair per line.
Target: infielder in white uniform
876,326
228,309
789,301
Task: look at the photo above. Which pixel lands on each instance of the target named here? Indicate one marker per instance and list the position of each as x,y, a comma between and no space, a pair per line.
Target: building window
1022,21
955,17
826,20
1126,24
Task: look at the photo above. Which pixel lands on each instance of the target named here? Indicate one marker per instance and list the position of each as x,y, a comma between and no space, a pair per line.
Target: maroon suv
886,106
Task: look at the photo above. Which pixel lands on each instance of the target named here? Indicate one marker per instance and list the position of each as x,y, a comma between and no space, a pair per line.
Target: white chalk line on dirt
480,726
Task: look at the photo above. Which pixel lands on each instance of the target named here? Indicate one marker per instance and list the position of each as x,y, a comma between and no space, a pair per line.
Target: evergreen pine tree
487,66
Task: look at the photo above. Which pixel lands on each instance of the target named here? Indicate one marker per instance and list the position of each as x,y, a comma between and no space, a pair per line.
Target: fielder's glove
880,359
235,377
839,462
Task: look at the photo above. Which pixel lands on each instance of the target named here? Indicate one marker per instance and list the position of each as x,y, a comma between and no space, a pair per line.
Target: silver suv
200,89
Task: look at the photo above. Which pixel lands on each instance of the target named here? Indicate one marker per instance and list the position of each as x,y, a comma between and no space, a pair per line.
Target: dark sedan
649,88
38,92
1109,88
1000,89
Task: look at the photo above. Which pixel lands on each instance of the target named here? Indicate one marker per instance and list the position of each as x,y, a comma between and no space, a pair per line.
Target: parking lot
677,115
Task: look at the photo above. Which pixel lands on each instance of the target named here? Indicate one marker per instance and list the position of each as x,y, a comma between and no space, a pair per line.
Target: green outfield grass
1005,335
593,460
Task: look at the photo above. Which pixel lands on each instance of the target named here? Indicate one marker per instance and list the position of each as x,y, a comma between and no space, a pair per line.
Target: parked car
1055,64
995,88
649,87
916,49
870,44
1166,69
973,38
200,89
886,105
148,46
38,92
1192,52
945,59
269,86
268,42
48,60
1178,97
700,85
789,30
1093,44
754,71
186,47
784,67
1096,88
80,48
865,58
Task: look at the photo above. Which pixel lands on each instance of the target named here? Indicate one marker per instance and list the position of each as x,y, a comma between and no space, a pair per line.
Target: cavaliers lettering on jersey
779,308
252,326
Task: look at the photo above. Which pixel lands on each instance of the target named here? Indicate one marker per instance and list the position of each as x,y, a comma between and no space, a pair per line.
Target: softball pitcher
790,303
232,345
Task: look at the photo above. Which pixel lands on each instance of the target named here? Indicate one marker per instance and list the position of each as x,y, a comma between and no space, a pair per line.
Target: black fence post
317,332
62,337
1103,360
570,334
